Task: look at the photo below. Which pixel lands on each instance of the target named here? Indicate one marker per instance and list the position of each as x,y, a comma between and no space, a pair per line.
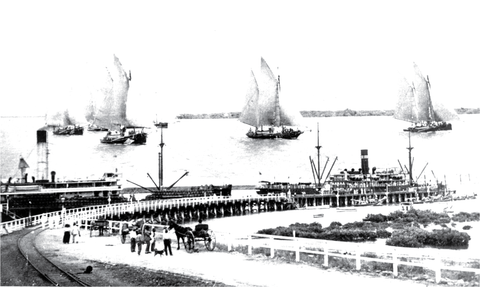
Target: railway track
46,269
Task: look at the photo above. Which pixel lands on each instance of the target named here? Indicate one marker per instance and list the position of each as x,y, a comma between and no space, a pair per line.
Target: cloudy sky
196,56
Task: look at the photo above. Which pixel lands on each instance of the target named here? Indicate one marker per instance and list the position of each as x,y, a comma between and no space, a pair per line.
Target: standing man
75,231
133,235
167,241
139,240
152,248
147,240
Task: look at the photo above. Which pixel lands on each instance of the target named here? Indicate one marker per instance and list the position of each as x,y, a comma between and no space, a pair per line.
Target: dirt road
215,267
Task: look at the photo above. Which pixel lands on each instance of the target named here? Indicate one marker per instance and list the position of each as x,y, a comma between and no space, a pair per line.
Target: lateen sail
263,106
406,109
267,96
111,104
424,102
249,114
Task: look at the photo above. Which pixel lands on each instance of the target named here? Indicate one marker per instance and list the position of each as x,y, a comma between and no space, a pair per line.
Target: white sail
406,108
109,106
263,105
249,113
415,102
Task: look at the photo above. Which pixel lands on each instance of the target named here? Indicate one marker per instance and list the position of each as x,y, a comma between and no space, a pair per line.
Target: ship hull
425,129
140,138
78,131
289,134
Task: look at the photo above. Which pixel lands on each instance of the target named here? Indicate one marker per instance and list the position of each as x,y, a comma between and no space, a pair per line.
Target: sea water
217,151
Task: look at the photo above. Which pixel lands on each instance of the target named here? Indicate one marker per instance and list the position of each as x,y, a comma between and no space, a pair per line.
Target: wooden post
438,269
358,262
297,252
325,257
272,250
395,262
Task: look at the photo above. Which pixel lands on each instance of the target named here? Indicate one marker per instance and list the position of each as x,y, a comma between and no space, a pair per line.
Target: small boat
127,135
415,105
94,128
68,130
263,109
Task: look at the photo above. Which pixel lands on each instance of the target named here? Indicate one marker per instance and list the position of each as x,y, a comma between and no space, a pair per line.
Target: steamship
366,186
44,194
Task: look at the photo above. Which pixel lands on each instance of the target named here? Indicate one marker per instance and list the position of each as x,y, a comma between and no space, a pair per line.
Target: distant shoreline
305,114
309,114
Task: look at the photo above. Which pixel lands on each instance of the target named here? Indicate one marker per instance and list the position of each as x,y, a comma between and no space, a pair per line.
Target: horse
180,231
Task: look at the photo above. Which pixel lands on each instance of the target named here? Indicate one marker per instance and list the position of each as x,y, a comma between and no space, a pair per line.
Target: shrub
465,217
408,237
335,224
448,238
376,218
382,233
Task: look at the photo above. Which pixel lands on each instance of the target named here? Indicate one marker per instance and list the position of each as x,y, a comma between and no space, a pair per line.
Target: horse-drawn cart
199,234
207,236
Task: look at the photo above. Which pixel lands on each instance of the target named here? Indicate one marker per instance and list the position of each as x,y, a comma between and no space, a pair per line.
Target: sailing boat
69,128
415,105
263,108
111,110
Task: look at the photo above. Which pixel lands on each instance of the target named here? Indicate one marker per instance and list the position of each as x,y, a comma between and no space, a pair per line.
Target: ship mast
160,154
277,121
318,147
409,159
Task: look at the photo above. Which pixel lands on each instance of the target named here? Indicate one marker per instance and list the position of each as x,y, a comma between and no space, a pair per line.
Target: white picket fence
433,259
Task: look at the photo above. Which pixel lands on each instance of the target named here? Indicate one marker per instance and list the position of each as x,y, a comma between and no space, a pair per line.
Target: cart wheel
210,241
190,247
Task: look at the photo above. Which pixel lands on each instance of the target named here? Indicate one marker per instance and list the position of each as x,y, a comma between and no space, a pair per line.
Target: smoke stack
364,157
42,155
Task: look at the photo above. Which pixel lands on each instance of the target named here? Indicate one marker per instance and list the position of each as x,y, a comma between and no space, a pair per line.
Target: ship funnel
42,155
364,157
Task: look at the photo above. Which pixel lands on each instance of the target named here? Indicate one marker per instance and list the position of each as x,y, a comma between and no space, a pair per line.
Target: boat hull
68,132
425,129
140,138
286,134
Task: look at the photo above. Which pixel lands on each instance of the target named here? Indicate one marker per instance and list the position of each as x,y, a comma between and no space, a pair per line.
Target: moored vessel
46,193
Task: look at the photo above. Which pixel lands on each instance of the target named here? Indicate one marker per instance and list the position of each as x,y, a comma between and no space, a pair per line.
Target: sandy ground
229,268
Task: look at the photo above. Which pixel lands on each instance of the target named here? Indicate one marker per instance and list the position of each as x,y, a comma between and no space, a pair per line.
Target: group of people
149,237
71,233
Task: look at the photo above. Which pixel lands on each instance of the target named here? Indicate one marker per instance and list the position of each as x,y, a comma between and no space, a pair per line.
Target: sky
196,56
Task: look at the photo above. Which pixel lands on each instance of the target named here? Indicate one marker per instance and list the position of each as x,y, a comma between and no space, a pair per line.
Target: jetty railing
58,219
432,259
